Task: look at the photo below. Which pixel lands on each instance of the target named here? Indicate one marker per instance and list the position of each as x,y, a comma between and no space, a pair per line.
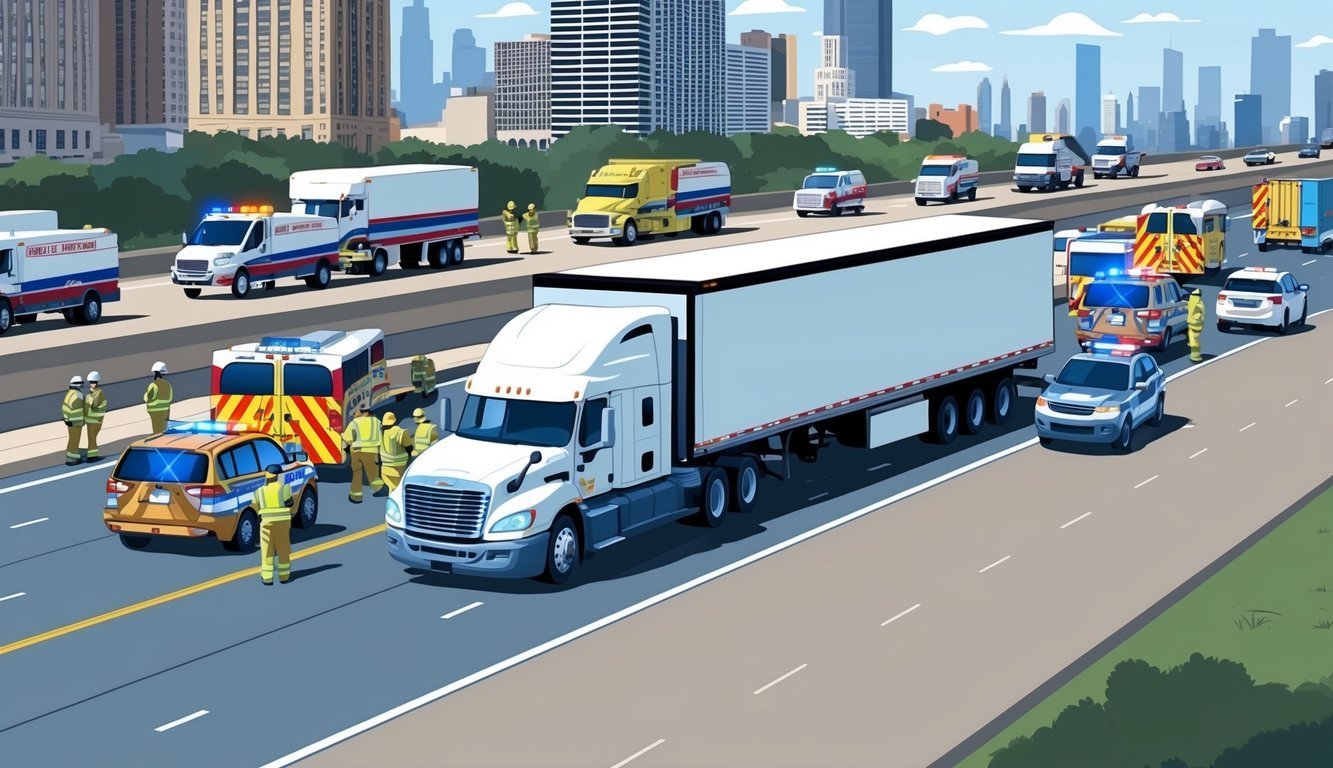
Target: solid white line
819,496
878,467
1243,216
1247,426
1075,520
780,679
900,615
1293,402
462,610
1145,482
992,565
11,597
54,478
1199,453
182,721
137,286
30,522
639,754
1308,263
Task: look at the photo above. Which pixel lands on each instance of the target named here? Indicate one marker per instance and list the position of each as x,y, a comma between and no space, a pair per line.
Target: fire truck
1183,239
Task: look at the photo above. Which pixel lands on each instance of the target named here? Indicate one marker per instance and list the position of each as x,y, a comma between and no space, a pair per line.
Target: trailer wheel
6,315
974,412
437,255
562,551
714,224
1001,401
90,311
193,293
379,263
744,476
714,495
944,420
455,252
320,280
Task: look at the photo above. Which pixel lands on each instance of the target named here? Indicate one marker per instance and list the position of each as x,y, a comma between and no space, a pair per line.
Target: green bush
1299,746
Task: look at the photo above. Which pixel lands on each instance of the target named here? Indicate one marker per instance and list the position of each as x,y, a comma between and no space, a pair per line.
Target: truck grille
591,221
1073,410
813,200
192,265
929,188
446,512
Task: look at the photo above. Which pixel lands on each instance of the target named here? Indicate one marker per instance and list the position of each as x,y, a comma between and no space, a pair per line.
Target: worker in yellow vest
534,225
425,434
94,413
510,220
393,451
1194,325
363,439
275,526
71,412
158,398
423,375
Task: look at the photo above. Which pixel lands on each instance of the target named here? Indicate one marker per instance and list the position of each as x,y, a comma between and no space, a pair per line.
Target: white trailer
28,221
393,214
639,392
72,271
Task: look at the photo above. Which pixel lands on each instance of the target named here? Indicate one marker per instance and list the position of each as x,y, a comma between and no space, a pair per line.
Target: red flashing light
206,491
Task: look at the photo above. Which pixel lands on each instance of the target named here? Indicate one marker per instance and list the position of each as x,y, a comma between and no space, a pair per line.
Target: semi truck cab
627,198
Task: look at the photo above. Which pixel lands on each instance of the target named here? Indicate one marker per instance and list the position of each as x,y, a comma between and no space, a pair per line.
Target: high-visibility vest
96,406
363,434
533,221
273,499
425,436
423,371
72,409
1195,320
158,396
393,452
511,223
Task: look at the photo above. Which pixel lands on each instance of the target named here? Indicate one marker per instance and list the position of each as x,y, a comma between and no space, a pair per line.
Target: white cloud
819,33
1071,24
935,24
1316,41
1159,18
510,11
753,7
963,66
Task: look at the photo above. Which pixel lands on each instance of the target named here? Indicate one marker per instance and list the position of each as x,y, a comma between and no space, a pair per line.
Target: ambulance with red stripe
831,191
947,178
408,215
1183,239
248,245
302,389
46,269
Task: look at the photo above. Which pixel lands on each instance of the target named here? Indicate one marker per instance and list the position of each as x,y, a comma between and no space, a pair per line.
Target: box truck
242,246
636,393
627,199
393,214
1049,162
946,178
71,271
1293,212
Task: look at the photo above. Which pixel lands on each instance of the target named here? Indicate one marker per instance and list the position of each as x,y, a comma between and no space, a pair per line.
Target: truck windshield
1089,264
217,232
1096,374
1110,149
162,465
1120,295
820,182
622,191
517,422
937,170
1036,161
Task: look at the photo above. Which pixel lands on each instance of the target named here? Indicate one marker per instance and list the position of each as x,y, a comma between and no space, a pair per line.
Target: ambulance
946,178
241,246
1183,239
1105,253
831,191
626,199
72,271
302,389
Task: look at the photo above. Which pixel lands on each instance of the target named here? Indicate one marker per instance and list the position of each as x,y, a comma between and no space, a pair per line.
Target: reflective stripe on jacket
363,434
158,396
273,499
72,409
425,436
533,221
393,448
95,406
511,223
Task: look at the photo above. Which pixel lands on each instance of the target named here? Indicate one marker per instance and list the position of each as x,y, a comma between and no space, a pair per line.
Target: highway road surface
154,320
175,655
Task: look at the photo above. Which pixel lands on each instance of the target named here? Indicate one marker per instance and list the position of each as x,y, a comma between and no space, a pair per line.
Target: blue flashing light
826,169
206,427
288,345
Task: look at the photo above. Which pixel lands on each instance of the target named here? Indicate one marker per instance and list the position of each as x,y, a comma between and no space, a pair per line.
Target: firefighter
158,398
71,411
94,413
363,439
1195,325
393,451
511,228
275,526
425,434
423,375
534,225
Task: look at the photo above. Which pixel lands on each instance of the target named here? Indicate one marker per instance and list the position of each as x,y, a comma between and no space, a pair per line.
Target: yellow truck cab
626,199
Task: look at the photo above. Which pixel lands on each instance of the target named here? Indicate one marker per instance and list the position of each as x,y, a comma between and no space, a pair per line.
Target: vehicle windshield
1095,374
1312,147
1210,158
622,191
1060,244
306,380
820,182
1121,295
326,208
517,422
1251,285
937,170
246,379
1259,152
1036,161
217,232
162,465
1157,223
1184,224
1110,149
1089,264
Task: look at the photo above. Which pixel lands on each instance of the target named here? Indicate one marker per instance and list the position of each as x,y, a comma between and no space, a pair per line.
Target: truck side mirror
185,239
608,428
446,421
263,247
1049,378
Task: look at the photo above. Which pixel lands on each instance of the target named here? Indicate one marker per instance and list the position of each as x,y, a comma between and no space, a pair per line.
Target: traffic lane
874,630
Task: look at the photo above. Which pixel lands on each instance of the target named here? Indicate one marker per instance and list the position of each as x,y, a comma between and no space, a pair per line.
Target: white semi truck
640,392
1116,155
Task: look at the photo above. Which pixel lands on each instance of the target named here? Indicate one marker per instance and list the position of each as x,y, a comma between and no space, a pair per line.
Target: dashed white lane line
816,497
886,464
1247,426
1330,381
997,562
1293,402
1242,216
780,679
900,615
13,596
639,754
30,522
1145,482
1075,520
1243,255
462,610
1198,453
1308,263
182,721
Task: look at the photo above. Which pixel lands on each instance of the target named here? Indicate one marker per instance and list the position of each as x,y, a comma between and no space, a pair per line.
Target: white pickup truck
1116,155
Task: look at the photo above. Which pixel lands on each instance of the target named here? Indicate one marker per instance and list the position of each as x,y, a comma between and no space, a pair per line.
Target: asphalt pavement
115,645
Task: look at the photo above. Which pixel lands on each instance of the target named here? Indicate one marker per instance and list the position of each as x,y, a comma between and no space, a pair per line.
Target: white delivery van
1049,161
241,246
830,191
72,271
947,178
1116,155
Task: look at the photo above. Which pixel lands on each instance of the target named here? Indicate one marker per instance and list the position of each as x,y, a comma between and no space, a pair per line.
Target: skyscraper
420,99
1175,133
1208,110
1270,80
469,61
1129,112
1037,112
49,104
523,91
142,64
866,27
833,80
1173,81
1150,117
1087,92
690,52
782,66
748,88
1062,116
1323,102
1249,120
1294,130
1110,115
984,106
303,83
1005,130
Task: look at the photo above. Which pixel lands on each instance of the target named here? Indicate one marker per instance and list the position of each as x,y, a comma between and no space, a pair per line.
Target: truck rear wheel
240,285
974,412
1134,172
922,200
972,194
1001,401
713,498
6,315
1078,179
744,476
90,311
562,551
943,421
454,249
714,224
323,274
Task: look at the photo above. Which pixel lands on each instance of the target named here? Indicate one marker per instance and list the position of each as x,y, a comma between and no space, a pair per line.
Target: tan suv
1134,311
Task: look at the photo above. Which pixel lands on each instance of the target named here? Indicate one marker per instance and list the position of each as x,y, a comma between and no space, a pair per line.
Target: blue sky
1220,36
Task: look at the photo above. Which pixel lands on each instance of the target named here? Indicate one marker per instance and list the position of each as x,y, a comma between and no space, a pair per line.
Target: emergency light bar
826,169
243,209
210,427
1261,269
287,345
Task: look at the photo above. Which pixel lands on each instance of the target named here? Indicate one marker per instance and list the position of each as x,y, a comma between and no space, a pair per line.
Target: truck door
10,275
305,404
245,390
643,457
594,464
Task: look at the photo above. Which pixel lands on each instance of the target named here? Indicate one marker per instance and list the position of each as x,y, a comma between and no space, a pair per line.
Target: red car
1209,163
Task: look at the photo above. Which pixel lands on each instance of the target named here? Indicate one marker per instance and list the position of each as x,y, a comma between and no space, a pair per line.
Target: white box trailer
28,221
652,389
72,271
393,214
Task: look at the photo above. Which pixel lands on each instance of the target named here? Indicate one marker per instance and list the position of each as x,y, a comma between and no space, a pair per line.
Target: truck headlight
223,259
516,522
1108,409
392,512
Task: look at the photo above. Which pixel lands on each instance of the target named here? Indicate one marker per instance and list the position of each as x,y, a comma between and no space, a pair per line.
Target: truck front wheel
6,315
714,224
562,551
631,234
714,495
379,263
1134,172
323,274
240,285
1078,179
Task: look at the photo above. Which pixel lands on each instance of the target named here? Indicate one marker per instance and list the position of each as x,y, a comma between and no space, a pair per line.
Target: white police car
1262,296
1102,397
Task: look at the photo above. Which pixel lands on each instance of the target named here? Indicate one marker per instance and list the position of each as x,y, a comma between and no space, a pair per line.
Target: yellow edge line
186,592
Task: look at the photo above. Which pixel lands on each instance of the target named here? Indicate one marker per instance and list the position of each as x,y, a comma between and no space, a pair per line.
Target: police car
1139,307
198,480
1102,397
1262,296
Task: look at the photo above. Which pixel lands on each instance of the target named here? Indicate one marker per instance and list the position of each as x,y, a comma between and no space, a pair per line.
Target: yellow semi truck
628,199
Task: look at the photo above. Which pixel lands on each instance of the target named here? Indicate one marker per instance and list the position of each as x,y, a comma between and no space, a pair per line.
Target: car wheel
974,412
1305,310
1045,441
714,495
562,551
972,194
135,542
921,201
247,534
1021,188
1078,179
1223,326
1286,322
1166,340
240,285
1134,173
1001,401
307,510
802,214
1160,412
193,293
1124,442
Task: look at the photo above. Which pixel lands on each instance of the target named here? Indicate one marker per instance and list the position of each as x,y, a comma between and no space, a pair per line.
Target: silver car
1102,397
